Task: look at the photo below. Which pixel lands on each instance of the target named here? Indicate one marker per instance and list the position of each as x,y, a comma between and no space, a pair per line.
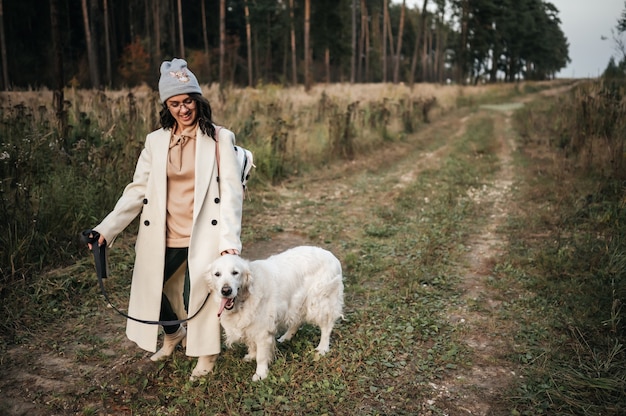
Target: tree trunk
390,37
354,46
384,51
57,97
91,53
222,40
268,72
286,55
171,26
425,40
248,42
3,51
205,40
294,61
421,29
396,66
181,41
107,44
366,52
359,49
443,40
462,47
156,27
363,45
327,64
307,46
375,40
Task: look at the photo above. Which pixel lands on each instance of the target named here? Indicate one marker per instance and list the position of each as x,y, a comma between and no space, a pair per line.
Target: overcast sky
584,23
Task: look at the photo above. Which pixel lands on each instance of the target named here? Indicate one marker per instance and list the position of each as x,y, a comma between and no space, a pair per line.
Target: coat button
145,201
146,223
217,178
214,222
217,200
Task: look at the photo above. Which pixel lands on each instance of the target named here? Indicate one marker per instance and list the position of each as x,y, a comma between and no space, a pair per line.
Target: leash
100,259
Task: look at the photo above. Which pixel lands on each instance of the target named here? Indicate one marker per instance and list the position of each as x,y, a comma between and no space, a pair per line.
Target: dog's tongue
222,306
225,301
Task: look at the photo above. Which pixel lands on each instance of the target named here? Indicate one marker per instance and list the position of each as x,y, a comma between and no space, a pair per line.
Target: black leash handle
99,252
100,259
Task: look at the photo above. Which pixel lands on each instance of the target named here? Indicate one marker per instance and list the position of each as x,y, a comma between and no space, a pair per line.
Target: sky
584,24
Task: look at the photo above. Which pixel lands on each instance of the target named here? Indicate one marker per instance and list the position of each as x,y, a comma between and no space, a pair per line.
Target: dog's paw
249,357
261,372
257,377
321,351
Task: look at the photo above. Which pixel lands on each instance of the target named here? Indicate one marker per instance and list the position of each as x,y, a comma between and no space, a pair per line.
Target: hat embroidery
181,75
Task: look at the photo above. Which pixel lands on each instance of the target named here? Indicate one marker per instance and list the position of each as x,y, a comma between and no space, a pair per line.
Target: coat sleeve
130,204
231,192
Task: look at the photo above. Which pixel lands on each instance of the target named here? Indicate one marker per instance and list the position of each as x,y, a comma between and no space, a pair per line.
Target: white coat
216,227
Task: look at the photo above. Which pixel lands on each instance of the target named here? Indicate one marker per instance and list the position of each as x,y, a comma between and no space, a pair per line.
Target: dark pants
174,258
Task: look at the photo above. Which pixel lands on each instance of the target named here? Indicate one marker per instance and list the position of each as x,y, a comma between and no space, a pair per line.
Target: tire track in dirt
478,390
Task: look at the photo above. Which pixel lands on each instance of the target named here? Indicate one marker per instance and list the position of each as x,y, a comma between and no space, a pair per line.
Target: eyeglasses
188,103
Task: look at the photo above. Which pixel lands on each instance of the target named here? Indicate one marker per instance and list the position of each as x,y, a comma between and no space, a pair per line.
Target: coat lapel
159,166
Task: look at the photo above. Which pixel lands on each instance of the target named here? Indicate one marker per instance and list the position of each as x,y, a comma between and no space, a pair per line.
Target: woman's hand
101,241
230,251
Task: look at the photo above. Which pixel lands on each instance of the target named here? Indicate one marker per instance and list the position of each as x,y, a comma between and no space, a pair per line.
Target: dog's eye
235,273
218,274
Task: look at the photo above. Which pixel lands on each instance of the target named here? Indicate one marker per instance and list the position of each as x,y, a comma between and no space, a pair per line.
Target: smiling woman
183,109
189,217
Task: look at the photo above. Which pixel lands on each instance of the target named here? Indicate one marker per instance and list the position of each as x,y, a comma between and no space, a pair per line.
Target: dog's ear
246,279
208,277
247,276
208,281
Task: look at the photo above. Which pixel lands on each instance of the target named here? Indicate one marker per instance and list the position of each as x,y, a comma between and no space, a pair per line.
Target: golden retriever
259,298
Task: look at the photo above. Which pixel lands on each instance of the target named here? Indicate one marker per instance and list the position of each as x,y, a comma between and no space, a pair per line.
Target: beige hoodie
181,170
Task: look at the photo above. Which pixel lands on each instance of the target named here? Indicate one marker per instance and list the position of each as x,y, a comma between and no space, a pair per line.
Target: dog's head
228,280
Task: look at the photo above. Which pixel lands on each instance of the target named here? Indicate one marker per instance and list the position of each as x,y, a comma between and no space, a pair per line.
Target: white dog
259,298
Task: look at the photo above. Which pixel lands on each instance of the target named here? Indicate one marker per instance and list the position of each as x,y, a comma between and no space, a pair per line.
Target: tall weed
589,126
54,186
569,245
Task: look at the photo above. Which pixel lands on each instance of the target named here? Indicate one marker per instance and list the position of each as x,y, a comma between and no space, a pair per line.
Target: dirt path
478,391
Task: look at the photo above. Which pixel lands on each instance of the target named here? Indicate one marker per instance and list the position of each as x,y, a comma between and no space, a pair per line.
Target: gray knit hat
177,79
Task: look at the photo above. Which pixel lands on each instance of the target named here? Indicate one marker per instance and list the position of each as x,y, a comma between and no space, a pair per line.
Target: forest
120,43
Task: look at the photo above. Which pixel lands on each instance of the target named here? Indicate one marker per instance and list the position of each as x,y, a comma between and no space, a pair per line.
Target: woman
189,217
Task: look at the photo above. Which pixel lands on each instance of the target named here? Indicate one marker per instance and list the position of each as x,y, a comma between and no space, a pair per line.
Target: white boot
170,341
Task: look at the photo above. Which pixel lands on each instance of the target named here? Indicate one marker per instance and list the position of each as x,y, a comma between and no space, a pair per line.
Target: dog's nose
226,290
